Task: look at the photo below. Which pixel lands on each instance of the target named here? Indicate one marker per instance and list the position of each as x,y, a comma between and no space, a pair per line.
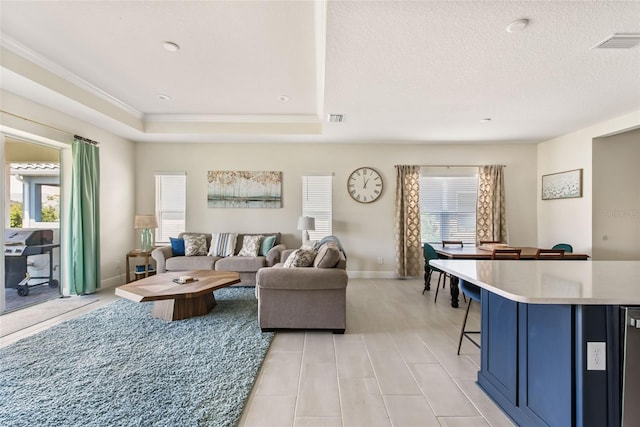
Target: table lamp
306,223
145,222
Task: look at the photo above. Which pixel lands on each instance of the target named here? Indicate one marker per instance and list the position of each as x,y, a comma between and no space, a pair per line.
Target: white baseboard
112,282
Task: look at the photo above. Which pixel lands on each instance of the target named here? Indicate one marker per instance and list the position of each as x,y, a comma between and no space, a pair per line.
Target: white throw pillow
223,244
250,246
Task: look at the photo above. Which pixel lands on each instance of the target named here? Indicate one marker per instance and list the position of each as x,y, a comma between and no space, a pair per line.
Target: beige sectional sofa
314,297
247,266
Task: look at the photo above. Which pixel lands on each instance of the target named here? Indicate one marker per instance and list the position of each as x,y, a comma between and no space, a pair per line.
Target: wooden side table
135,254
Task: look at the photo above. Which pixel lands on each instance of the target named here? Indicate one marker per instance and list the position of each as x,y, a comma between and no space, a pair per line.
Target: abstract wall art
244,189
562,185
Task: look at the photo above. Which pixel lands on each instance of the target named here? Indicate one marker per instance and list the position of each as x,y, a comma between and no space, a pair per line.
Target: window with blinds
170,204
316,203
448,205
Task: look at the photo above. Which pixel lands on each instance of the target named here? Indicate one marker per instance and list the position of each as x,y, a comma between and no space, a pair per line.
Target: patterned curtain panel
491,217
409,258
84,233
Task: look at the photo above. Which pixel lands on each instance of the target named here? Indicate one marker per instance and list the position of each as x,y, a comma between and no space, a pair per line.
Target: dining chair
567,247
506,253
429,254
489,242
446,243
550,254
473,292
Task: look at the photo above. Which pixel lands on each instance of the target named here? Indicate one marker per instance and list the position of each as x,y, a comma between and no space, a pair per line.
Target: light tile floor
396,365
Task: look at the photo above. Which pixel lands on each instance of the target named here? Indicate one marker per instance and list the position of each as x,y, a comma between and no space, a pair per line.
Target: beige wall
366,230
616,197
571,220
117,184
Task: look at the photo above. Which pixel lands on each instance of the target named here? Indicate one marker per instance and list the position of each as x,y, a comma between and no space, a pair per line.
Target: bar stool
473,292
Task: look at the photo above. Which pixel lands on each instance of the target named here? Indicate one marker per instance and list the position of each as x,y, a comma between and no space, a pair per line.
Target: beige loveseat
312,297
247,266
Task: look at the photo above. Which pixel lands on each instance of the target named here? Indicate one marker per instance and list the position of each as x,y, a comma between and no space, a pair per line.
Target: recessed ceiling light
283,98
171,46
485,120
163,97
517,25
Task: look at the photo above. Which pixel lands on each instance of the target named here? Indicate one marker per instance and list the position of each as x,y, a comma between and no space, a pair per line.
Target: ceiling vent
619,41
336,118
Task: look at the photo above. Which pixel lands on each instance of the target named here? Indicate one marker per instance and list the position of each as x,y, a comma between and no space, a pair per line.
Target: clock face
364,185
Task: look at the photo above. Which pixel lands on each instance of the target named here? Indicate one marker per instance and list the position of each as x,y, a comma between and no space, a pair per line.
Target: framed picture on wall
562,185
244,189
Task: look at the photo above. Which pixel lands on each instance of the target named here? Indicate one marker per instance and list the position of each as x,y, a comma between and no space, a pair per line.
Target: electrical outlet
118,266
596,356
380,260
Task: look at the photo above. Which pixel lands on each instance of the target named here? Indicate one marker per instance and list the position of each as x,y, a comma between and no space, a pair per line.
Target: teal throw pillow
177,246
267,244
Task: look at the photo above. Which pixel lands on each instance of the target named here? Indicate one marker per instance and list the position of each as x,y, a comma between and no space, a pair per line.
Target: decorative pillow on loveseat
250,246
328,256
301,258
222,244
195,245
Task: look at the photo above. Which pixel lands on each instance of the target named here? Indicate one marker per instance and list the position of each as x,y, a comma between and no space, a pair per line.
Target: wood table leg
455,291
126,269
183,308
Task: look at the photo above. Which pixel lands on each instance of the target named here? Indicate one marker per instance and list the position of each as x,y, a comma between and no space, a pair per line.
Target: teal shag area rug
118,366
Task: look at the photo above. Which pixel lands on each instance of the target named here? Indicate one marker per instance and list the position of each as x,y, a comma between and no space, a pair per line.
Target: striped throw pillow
223,244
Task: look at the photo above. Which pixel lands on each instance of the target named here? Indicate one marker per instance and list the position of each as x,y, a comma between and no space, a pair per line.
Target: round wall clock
364,185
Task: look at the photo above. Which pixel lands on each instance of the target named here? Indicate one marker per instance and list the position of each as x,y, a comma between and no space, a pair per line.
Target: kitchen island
552,337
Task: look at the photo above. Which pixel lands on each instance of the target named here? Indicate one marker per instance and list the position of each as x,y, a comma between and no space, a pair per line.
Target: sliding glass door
31,232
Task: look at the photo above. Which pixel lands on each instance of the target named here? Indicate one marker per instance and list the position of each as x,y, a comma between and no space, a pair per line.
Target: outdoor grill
19,245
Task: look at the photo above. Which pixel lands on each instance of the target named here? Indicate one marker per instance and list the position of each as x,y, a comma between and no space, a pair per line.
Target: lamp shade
145,221
306,223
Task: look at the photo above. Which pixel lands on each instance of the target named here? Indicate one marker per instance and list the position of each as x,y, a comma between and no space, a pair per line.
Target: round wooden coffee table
174,301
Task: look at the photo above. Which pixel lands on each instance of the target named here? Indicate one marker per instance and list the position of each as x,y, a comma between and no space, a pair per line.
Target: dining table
484,252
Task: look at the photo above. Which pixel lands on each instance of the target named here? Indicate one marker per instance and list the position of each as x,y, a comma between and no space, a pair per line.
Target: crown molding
222,118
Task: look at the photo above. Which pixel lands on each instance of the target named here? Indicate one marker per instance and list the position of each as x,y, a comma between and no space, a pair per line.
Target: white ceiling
400,71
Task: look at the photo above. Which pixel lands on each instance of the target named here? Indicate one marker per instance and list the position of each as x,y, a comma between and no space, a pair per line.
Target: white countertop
553,282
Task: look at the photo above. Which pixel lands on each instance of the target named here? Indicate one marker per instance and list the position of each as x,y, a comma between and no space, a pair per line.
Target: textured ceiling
400,71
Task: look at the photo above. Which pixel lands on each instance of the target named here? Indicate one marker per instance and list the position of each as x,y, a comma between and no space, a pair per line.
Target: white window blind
448,206
316,203
170,204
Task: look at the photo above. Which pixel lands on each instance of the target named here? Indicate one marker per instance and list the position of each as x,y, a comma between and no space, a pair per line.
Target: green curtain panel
84,233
